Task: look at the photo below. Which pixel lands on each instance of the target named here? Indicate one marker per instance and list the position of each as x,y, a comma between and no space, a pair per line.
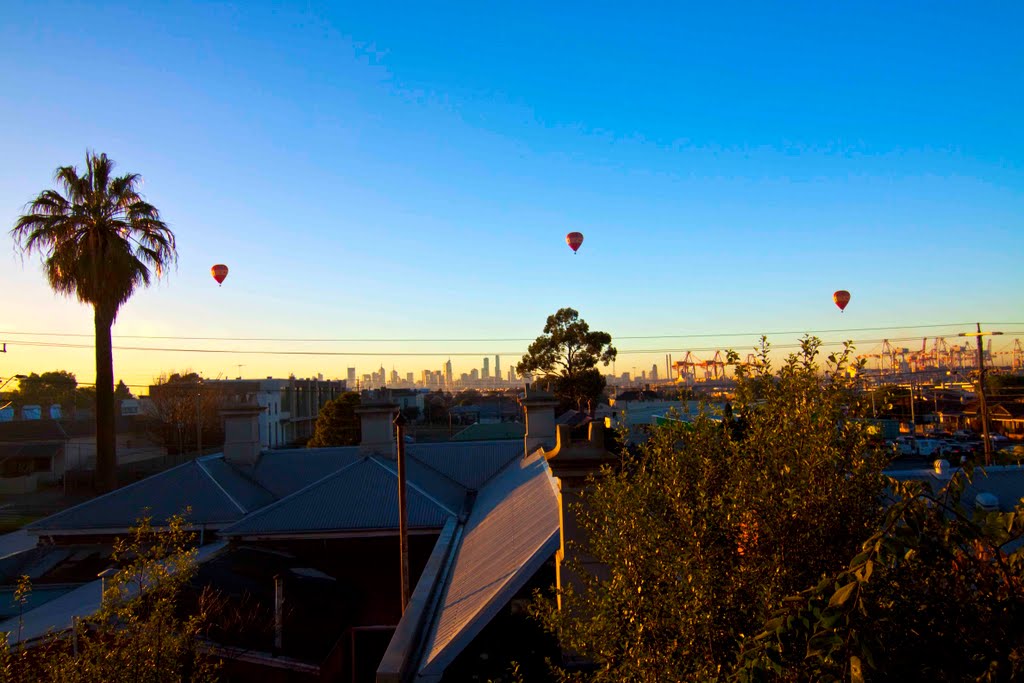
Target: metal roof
159,496
1004,481
58,614
238,483
38,431
362,496
512,530
470,463
285,471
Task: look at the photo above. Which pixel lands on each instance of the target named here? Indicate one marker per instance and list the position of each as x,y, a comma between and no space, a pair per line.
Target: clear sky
393,171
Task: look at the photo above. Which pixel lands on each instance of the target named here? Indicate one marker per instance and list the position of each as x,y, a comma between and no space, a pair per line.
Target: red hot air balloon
842,297
219,272
574,240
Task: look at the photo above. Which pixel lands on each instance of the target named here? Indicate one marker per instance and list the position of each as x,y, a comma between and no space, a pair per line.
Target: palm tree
98,240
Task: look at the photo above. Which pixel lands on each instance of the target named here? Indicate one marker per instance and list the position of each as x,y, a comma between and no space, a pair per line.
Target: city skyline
363,179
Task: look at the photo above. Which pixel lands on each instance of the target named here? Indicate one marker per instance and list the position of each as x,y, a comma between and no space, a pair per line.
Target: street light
981,389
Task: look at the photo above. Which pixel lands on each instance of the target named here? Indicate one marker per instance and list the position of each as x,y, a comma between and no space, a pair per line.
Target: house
319,527
291,405
31,452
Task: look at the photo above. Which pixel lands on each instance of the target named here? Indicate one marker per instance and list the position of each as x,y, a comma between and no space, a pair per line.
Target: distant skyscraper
654,372
409,377
351,378
497,367
487,368
448,373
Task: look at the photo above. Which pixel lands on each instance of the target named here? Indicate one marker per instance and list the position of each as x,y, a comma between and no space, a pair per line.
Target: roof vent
987,502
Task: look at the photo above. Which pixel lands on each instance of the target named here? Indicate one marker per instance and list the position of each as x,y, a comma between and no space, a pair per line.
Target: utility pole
913,420
199,419
403,512
981,389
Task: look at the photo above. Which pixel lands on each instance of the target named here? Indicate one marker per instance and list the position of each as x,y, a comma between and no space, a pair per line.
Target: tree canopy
139,632
769,544
564,359
337,424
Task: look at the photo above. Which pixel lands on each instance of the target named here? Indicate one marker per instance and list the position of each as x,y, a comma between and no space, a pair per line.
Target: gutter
405,649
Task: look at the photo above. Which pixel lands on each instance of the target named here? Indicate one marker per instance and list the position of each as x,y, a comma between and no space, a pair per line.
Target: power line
274,352
702,335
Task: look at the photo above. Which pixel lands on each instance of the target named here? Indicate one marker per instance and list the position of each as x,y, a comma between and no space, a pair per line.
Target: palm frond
98,238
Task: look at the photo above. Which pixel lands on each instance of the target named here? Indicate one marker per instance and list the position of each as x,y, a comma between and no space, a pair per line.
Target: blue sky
410,172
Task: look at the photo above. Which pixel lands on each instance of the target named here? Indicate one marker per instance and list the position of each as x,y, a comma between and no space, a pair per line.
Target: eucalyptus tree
98,240
566,356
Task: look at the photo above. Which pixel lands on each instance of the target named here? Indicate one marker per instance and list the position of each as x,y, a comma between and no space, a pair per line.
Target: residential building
319,526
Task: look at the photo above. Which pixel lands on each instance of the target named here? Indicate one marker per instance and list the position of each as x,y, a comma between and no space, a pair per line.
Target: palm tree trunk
106,445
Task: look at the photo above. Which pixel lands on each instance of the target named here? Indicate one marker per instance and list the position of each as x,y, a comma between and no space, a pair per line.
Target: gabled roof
370,494
159,496
32,431
511,531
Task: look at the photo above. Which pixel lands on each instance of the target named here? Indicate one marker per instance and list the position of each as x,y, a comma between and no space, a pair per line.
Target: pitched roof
511,532
285,471
221,493
159,496
370,493
471,464
32,431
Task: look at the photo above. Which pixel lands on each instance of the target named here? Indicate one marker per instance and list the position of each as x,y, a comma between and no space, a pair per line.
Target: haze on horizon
410,173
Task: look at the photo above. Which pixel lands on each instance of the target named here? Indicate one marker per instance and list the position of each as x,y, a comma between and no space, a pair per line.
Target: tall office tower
654,372
448,373
474,374
425,377
395,379
409,378
351,377
487,368
497,367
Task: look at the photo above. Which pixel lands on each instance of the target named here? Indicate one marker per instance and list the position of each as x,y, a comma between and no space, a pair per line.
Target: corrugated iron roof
430,482
359,497
159,496
511,532
286,471
245,489
470,463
